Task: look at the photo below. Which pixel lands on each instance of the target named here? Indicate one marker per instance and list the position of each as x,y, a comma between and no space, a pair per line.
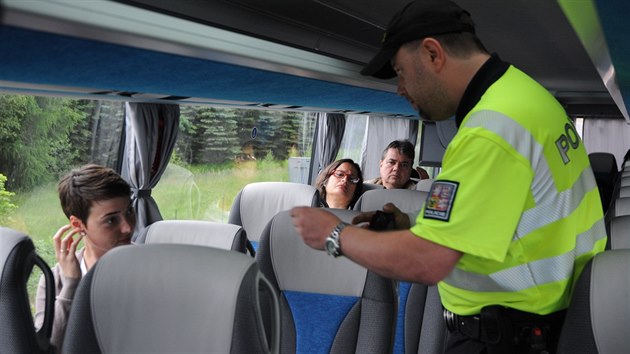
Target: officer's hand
363,218
401,220
314,225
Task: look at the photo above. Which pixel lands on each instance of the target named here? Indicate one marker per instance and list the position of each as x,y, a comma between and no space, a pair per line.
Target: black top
489,72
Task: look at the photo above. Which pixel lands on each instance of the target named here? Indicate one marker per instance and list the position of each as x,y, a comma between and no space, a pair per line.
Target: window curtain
607,135
151,132
385,130
330,129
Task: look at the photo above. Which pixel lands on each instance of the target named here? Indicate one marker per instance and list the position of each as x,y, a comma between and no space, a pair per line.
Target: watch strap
334,238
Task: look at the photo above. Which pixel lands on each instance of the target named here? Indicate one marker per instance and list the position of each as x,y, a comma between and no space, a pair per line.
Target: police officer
515,213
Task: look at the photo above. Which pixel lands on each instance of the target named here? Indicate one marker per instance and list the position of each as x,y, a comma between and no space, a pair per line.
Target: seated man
395,166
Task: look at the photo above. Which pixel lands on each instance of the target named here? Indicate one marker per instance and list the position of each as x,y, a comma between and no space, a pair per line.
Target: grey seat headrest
171,298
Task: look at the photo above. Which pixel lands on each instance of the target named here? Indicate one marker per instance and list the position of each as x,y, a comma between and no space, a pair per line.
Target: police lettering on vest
515,196
569,139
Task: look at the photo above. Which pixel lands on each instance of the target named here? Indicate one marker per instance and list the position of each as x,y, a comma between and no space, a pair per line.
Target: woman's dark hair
324,175
83,186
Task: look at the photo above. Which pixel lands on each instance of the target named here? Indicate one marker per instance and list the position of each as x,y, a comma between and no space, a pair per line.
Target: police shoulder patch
440,200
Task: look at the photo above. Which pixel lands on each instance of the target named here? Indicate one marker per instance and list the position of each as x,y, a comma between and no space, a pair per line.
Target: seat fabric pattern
258,202
605,169
598,317
424,185
620,232
193,232
329,305
406,200
419,324
171,298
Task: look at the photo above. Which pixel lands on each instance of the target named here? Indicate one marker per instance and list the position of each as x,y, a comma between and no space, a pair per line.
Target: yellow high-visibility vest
518,198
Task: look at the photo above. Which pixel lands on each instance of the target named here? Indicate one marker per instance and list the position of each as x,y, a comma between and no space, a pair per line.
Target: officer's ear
433,52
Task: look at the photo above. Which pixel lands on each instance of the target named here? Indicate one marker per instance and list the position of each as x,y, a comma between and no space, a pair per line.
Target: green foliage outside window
6,207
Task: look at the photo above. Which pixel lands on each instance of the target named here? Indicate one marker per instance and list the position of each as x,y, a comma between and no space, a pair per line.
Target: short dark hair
324,175
459,45
404,147
81,187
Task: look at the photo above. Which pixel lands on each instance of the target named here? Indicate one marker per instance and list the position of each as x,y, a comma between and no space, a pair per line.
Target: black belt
492,321
469,326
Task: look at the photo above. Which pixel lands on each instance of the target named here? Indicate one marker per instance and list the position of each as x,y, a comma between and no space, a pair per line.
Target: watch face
330,246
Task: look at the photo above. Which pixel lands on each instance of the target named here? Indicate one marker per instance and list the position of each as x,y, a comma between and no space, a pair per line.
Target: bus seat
424,185
258,202
621,189
406,200
598,318
624,192
17,259
370,186
419,324
620,232
422,328
173,298
194,232
622,206
604,165
328,305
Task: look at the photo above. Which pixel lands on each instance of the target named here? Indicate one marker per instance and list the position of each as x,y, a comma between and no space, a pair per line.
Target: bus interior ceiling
302,55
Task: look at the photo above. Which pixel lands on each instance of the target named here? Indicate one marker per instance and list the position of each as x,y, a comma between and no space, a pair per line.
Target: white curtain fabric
330,129
385,130
607,135
352,142
151,132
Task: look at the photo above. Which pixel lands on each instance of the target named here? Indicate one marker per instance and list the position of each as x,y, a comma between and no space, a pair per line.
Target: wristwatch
333,245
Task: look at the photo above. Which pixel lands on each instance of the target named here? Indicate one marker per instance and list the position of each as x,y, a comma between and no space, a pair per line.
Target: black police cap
418,19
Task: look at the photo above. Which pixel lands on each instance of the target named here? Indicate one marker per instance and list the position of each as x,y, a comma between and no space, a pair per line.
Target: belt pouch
496,330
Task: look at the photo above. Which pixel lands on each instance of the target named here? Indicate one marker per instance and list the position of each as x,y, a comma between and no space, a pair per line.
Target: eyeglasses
341,175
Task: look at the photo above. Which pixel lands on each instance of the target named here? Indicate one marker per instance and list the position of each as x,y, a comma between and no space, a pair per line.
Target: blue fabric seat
329,305
419,324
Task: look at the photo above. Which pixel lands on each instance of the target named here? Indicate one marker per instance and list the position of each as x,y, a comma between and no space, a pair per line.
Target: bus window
220,150
42,138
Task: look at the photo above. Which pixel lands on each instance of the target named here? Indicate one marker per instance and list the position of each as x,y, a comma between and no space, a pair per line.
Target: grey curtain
385,130
330,129
151,131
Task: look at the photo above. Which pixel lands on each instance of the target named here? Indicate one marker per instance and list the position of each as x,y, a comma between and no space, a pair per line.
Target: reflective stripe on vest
551,206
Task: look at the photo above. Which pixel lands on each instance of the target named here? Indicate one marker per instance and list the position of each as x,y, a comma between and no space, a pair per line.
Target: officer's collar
489,72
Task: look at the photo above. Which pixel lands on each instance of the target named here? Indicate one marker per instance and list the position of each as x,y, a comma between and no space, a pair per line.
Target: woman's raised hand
65,249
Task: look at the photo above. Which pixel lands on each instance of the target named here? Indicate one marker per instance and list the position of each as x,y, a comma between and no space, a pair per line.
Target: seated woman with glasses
340,184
